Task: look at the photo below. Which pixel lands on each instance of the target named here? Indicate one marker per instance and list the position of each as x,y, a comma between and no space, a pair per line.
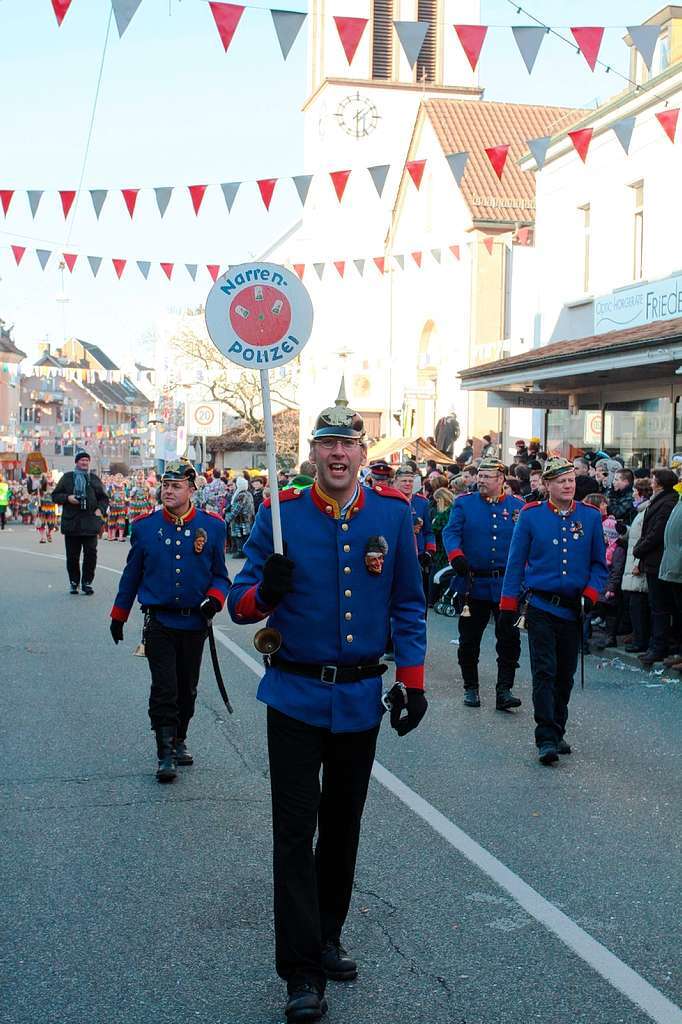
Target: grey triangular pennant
457,162
230,189
192,270
98,195
319,269
287,26
379,173
412,35
359,266
437,254
538,148
95,263
34,197
163,196
400,260
123,12
528,39
143,266
302,183
645,38
43,256
623,130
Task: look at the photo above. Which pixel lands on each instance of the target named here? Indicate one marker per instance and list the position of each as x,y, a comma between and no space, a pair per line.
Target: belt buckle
555,600
328,673
186,612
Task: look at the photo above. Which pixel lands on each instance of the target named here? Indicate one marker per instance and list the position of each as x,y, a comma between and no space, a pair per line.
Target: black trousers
508,644
660,605
553,648
74,544
174,657
3,513
313,890
640,618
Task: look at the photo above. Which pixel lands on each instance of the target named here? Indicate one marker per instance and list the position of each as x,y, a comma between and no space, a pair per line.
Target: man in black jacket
649,552
84,502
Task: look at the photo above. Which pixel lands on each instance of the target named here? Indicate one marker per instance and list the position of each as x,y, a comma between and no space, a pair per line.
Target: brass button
178,585
177,598
348,615
328,508
178,556
344,526
178,570
346,569
346,547
177,542
178,528
349,638
347,593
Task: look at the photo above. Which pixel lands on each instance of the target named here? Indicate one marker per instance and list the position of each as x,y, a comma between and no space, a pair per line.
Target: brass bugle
267,640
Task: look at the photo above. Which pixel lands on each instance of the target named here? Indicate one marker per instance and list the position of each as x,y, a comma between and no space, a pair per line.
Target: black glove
209,607
588,604
278,572
116,630
425,559
460,565
414,701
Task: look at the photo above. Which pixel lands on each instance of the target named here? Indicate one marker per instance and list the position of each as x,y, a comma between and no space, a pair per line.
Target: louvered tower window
427,10
382,39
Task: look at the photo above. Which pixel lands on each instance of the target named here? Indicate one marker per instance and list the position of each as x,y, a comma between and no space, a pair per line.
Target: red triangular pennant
454,249
167,269
299,268
18,251
666,118
415,169
130,196
226,18
380,264
589,40
6,198
471,37
417,257
581,140
119,267
70,260
213,269
523,236
498,158
350,33
339,181
67,198
267,187
340,266
60,7
488,243
197,194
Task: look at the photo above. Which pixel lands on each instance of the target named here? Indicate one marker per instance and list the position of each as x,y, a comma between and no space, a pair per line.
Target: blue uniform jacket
564,555
481,530
426,538
339,612
165,568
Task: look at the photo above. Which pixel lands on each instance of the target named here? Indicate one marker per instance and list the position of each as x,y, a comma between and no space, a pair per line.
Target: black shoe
634,649
86,588
547,754
182,754
336,963
506,700
306,1002
471,698
650,658
612,641
563,747
73,588
165,750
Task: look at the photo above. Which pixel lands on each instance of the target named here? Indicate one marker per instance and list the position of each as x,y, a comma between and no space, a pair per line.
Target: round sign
259,315
203,414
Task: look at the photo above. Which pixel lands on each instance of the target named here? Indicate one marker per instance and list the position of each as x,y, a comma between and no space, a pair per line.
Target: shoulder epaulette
467,494
531,504
390,492
286,495
143,515
586,505
210,512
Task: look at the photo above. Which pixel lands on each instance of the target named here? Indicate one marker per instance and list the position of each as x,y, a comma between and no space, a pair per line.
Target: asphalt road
124,901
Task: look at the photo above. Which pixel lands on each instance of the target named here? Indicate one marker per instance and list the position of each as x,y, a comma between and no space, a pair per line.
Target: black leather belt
328,673
487,573
173,609
572,603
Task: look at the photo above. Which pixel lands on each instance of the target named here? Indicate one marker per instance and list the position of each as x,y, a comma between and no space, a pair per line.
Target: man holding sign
350,574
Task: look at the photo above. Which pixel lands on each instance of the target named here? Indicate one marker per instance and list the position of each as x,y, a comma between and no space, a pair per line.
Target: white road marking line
621,977
58,558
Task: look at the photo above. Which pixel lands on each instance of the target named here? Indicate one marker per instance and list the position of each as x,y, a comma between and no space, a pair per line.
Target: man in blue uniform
176,567
557,555
351,569
476,541
421,520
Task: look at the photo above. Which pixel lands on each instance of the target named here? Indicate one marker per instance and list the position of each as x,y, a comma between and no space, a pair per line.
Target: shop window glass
640,431
678,425
571,433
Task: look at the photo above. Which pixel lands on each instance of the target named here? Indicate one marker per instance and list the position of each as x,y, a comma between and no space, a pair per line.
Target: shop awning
12,457
418,447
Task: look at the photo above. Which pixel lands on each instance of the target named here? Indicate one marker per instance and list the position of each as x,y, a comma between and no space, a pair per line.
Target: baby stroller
451,600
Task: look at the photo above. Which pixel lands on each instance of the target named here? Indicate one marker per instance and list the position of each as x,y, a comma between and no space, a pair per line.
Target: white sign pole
272,463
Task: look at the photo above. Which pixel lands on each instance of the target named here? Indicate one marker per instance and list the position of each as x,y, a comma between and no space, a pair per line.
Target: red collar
330,507
560,512
179,520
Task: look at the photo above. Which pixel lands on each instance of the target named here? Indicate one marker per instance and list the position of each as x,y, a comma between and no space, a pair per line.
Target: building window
29,414
427,10
585,214
382,39
638,231
641,431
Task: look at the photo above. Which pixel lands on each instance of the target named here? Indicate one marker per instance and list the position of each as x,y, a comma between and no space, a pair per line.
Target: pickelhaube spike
342,398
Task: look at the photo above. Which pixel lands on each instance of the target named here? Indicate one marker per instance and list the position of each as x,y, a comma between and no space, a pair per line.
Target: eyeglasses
347,443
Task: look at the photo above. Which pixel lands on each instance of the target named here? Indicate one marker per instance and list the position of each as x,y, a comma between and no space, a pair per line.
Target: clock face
357,115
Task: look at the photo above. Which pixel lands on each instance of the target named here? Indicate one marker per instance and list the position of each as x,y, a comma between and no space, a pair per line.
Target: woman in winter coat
649,551
635,589
240,516
670,572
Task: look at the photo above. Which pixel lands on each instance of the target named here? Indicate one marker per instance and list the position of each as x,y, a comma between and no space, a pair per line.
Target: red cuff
592,594
411,676
247,606
509,604
217,594
455,554
120,614
430,547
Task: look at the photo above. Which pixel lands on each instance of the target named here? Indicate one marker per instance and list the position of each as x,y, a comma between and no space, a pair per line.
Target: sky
174,109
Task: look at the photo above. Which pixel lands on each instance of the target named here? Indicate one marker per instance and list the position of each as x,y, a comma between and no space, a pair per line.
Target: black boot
471,698
306,1001
505,700
165,749
336,963
182,754
87,588
74,588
